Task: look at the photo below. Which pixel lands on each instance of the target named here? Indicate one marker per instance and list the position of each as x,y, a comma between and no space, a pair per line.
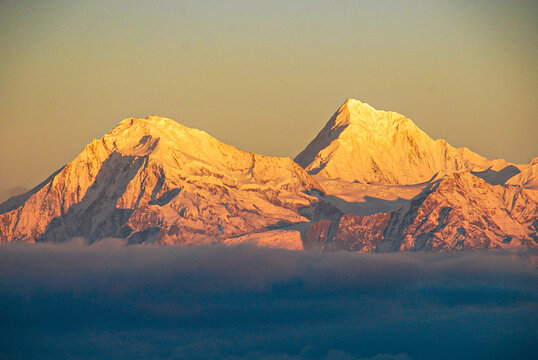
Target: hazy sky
263,76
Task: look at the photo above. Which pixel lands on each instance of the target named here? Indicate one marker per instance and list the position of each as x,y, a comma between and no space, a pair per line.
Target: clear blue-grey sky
263,76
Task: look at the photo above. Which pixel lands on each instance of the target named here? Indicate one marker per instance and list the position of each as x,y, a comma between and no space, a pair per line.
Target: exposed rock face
359,233
364,156
376,184
465,212
155,180
458,212
360,143
354,233
319,234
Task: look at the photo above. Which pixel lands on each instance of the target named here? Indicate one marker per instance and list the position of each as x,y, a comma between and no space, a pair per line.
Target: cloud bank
141,302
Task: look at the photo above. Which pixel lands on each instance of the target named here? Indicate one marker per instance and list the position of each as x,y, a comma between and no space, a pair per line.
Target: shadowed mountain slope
371,182
155,180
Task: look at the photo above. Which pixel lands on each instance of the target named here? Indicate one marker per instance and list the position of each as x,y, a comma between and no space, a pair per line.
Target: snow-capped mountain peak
156,179
360,143
377,183
134,136
355,111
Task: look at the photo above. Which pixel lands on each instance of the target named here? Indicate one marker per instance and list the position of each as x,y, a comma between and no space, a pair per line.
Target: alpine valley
370,181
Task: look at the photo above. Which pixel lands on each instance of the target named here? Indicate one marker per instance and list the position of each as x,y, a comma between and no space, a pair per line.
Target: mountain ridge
372,182
148,163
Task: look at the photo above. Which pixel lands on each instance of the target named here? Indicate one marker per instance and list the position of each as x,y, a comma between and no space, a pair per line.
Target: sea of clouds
108,301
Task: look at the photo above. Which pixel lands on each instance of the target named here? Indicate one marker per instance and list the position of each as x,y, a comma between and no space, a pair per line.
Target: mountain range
370,181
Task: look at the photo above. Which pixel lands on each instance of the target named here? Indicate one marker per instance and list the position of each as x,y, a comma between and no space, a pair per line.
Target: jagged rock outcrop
458,212
463,211
353,233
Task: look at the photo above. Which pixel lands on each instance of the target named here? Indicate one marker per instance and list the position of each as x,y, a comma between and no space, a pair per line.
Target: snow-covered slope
155,180
396,189
280,239
360,143
460,211
528,177
376,184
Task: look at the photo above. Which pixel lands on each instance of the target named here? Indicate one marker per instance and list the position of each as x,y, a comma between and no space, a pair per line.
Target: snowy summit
370,181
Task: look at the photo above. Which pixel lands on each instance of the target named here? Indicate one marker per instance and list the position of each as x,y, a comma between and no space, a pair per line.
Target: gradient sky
262,76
